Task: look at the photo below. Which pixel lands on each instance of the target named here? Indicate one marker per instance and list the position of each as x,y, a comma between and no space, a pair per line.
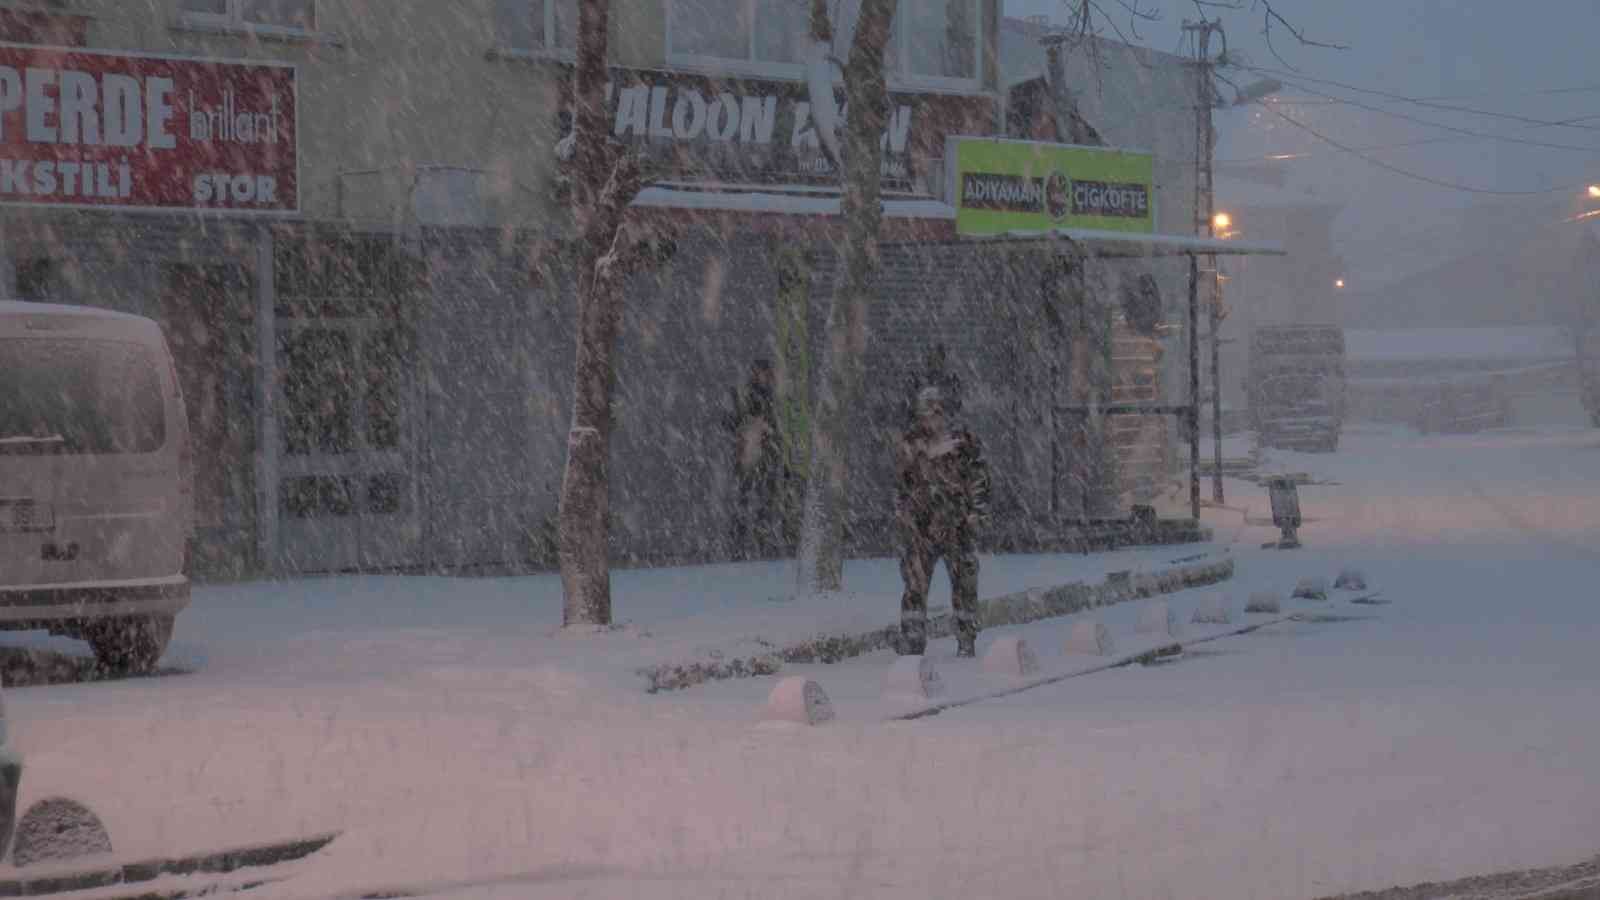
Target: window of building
297,16
755,34
936,43
537,26
43,26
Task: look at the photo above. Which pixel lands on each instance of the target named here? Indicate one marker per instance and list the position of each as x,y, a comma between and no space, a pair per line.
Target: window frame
547,50
906,78
901,80
233,20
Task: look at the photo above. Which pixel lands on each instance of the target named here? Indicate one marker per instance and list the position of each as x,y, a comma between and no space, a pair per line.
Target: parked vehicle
1588,349
96,498
10,780
1585,320
1464,406
1296,384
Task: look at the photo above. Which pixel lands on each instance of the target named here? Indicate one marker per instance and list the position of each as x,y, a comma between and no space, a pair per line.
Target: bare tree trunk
604,183
585,487
821,557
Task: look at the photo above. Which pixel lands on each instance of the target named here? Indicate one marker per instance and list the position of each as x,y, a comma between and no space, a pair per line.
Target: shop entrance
208,314
344,401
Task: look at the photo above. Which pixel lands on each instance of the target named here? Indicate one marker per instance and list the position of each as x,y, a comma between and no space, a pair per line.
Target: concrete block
1311,589
799,699
1010,656
1216,608
1091,636
1265,602
914,678
1350,580
1158,617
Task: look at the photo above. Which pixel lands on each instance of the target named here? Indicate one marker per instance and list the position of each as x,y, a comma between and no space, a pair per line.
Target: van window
62,395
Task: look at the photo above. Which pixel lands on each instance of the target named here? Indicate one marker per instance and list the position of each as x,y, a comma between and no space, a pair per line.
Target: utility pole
1204,200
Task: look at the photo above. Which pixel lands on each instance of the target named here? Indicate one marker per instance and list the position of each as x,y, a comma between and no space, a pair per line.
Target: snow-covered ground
466,749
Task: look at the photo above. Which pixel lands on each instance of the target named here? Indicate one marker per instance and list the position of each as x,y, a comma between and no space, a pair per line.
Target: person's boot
966,647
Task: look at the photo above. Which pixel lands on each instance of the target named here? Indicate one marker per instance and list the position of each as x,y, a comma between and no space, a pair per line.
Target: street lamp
1221,225
1338,282
1259,90
1594,191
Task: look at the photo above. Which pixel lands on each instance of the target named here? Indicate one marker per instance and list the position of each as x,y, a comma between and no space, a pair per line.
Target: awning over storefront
1104,244
808,203
1112,244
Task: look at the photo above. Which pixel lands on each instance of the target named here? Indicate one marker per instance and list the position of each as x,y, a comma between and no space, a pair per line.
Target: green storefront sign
1000,186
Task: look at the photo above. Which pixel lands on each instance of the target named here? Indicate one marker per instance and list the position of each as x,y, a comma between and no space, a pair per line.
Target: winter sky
1533,60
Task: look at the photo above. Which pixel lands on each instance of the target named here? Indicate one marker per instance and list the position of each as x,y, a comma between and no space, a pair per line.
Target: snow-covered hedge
1018,608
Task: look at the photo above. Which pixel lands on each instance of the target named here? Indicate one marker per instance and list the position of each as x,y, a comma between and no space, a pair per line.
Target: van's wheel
129,646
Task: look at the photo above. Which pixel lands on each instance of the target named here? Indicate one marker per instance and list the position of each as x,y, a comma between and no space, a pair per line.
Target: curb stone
1017,608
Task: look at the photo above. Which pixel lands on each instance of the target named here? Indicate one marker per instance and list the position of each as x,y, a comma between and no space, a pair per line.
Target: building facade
347,216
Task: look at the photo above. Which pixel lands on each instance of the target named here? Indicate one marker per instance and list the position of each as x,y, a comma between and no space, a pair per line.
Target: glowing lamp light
1223,220
1338,282
1594,191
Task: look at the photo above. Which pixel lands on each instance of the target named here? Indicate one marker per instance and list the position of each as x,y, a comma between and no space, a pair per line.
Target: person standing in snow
941,499
758,467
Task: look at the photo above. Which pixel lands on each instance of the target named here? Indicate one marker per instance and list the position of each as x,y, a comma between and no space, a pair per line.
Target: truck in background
1296,385
1589,370
1585,321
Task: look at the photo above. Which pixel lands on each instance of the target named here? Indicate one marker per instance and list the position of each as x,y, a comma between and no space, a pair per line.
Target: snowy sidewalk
683,625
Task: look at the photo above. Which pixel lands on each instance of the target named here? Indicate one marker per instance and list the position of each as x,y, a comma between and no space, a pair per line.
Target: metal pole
1194,385
1203,207
1216,389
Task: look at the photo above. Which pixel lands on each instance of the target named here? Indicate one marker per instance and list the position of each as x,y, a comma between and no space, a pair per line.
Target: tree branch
1270,15
820,63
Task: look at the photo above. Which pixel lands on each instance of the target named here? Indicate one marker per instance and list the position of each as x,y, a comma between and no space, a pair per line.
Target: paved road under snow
466,750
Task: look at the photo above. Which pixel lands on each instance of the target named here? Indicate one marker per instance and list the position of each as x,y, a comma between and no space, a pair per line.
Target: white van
96,496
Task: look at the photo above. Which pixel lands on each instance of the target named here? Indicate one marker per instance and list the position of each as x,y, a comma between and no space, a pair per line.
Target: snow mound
1311,589
1010,656
799,699
1264,602
1350,580
914,678
1158,617
1216,608
1091,636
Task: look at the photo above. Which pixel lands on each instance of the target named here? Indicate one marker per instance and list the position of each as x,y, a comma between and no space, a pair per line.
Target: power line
1532,92
1401,98
1399,145
1451,128
1437,182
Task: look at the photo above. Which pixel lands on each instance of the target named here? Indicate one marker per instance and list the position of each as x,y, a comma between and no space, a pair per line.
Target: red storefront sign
85,128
